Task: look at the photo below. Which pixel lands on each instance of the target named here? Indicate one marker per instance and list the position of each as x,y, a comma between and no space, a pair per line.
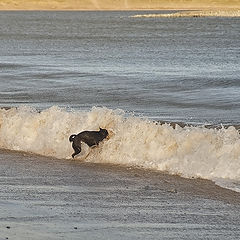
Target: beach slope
47,198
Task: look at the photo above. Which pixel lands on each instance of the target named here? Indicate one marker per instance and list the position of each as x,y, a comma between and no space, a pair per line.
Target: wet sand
116,5
46,198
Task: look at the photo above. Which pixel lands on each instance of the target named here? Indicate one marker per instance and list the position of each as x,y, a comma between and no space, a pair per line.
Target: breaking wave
187,151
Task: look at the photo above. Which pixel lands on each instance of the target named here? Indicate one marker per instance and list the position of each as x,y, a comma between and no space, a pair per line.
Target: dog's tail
72,137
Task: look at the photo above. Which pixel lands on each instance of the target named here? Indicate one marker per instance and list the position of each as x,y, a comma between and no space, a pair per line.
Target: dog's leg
77,150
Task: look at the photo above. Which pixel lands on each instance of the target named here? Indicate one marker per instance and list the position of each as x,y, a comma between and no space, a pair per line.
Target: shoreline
191,12
171,183
195,13
51,198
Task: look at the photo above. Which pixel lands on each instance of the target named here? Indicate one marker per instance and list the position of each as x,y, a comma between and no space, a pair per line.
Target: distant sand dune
118,4
209,13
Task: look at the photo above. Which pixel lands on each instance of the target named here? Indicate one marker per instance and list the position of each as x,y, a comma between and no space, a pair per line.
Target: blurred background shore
118,4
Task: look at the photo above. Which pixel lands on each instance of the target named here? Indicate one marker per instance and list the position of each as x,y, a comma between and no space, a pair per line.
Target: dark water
184,69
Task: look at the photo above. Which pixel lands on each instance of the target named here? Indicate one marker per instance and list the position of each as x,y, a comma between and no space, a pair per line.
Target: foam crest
188,151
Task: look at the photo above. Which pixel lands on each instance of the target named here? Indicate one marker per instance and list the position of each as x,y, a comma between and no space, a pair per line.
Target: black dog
91,138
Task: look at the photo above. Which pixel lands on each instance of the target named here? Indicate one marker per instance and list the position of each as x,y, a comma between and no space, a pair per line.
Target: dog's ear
100,128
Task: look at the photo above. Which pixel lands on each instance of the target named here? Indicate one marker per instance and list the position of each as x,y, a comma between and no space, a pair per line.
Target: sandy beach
117,5
195,13
46,198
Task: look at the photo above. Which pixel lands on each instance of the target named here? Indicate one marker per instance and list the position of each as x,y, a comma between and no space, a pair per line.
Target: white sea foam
188,151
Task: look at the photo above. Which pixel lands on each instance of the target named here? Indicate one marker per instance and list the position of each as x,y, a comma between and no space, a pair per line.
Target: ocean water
64,72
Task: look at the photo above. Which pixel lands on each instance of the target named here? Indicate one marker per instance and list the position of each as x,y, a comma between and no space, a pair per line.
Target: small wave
212,13
7,66
189,151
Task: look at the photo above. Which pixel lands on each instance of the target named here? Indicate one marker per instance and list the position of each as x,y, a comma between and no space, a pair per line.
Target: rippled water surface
182,69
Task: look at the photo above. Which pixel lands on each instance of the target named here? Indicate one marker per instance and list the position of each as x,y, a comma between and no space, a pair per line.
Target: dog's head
104,132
